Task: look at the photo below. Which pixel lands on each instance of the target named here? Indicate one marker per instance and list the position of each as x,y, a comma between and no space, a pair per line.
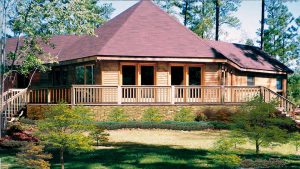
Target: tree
294,87
63,128
249,42
295,140
33,156
280,36
204,18
33,22
99,135
260,123
262,24
217,5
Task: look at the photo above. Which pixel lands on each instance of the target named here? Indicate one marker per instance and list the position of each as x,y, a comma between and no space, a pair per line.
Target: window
129,75
194,76
147,75
60,76
250,81
85,74
177,77
89,74
279,84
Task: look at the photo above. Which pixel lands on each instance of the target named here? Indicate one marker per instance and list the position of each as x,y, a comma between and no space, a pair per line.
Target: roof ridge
133,8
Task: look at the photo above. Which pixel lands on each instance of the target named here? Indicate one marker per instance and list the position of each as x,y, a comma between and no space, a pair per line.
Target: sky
249,14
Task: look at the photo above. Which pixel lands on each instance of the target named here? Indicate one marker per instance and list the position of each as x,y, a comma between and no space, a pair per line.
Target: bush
27,121
227,160
209,113
222,114
200,117
184,115
152,115
99,135
117,115
172,125
14,129
9,144
259,163
220,125
223,145
22,136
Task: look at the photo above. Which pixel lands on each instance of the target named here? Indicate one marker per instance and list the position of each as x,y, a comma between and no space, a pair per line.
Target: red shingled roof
144,30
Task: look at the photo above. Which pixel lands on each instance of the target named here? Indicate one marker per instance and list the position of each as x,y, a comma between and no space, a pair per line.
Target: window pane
177,75
194,76
56,77
79,75
89,75
147,75
279,84
128,75
250,80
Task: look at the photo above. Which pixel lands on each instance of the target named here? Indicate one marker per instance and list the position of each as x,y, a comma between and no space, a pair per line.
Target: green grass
134,155
165,149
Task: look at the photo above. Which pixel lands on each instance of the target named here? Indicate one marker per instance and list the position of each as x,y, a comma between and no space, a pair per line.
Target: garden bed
171,125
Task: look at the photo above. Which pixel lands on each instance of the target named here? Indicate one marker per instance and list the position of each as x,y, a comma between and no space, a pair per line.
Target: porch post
172,94
119,95
48,95
222,94
73,95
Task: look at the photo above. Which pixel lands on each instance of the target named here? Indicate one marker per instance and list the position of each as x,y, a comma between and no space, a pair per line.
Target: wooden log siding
156,95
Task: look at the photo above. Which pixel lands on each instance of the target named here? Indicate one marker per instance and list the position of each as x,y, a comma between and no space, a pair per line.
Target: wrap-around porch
153,95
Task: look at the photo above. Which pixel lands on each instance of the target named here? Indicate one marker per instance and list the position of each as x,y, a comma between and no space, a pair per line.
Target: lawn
149,149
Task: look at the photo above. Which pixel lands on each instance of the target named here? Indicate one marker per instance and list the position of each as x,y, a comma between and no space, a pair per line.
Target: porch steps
14,100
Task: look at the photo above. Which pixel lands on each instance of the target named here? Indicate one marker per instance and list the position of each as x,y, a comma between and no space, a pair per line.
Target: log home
146,57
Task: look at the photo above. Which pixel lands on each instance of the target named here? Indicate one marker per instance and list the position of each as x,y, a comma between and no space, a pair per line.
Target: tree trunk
62,158
262,24
256,147
185,12
217,19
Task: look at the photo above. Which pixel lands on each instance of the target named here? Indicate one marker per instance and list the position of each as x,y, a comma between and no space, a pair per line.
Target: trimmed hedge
171,125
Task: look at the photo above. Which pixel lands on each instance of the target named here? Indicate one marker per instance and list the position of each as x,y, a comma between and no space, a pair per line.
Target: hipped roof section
144,30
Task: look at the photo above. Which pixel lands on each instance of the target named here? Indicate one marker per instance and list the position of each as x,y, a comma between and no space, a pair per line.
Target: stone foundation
134,113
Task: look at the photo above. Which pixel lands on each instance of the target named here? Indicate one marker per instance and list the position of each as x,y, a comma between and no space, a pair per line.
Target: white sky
248,13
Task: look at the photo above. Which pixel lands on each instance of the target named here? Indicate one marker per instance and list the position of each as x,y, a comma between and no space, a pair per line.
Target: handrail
12,105
289,106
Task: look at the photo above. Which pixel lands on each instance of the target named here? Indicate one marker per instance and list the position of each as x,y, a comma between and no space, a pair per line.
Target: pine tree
280,36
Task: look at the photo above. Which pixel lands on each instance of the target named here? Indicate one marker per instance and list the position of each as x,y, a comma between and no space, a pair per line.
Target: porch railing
106,95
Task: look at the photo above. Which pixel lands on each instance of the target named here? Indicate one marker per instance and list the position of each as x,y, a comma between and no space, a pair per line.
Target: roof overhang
167,59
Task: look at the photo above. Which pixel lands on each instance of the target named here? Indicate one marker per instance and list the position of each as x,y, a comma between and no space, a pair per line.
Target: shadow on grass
135,155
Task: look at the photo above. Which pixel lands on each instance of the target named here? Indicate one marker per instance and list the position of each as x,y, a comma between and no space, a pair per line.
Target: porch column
119,95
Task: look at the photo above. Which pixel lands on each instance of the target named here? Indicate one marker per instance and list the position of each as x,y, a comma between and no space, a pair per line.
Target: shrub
200,116
209,113
172,125
33,156
222,114
152,115
223,145
117,115
10,144
259,163
99,135
227,160
14,129
219,125
27,121
184,115
22,136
